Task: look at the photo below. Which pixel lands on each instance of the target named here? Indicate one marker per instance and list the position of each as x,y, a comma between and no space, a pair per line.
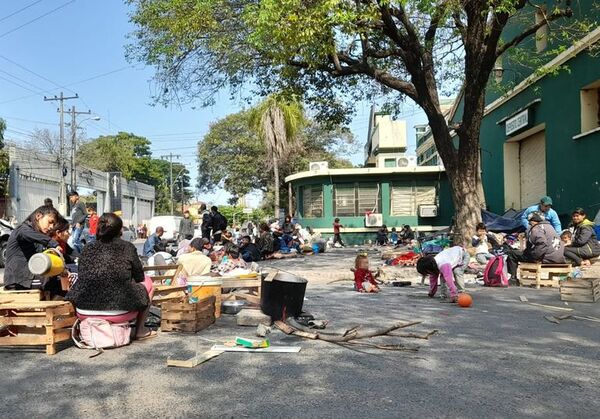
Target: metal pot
232,307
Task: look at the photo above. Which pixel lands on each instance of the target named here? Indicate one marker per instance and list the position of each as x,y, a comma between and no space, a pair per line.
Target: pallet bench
36,323
580,290
539,274
187,317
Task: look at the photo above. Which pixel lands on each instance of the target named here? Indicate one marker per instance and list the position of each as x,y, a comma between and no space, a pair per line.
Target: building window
389,162
312,201
590,107
405,200
351,200
541,35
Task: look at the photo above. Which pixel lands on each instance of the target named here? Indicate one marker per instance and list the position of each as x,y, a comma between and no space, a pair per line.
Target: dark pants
337,238
512,262
577,254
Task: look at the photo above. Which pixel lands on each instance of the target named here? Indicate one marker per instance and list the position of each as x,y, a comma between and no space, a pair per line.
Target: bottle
577,274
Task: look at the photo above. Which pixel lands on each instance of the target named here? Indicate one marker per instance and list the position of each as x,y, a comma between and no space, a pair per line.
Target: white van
170,223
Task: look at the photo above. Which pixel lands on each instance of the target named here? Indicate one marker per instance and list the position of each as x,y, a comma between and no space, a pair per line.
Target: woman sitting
29,238
584,243
111,282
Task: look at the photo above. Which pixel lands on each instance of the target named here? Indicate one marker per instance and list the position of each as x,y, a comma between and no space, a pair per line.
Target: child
336,232
93,223
61,235
449,263
29,238
566,237
363,277
394,236
482,241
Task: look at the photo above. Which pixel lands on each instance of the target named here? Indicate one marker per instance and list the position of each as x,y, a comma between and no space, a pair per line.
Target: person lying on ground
364,281
543,246
195,262
584,245
231,261
545,209
30,237
111,277
450,264
154,243
249,250
482,242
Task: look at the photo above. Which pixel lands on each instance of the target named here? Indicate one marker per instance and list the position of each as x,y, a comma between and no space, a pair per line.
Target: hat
546,200
535,216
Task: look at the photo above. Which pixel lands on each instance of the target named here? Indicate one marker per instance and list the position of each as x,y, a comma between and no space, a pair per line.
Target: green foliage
232,156
236,214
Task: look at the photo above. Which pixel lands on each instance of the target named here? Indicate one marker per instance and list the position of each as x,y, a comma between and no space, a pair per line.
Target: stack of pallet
580,290
183,316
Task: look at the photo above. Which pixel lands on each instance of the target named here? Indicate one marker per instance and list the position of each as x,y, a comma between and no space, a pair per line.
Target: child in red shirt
363,277
93,220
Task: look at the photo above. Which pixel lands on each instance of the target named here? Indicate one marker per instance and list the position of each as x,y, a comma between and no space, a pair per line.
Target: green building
391,190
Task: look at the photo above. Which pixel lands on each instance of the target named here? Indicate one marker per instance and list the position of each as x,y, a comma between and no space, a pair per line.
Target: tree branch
568,12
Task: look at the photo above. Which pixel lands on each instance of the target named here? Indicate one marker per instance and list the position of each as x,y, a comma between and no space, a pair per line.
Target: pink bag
495,273
97,334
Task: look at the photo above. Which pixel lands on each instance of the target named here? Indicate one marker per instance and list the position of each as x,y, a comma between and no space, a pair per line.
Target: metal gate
532,163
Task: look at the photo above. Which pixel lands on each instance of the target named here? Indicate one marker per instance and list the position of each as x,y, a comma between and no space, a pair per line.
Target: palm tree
277,121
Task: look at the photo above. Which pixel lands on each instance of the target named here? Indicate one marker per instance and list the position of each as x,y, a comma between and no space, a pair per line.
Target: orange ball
464,300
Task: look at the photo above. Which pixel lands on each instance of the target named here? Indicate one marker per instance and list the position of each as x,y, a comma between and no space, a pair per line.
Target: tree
277,121
232,156
322,49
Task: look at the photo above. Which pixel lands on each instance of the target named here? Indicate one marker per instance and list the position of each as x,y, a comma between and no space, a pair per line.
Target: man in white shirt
195,262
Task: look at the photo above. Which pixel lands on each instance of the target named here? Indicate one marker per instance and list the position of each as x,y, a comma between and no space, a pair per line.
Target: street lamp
74,143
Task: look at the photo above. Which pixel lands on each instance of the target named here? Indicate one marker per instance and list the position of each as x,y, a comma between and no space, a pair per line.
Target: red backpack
495,274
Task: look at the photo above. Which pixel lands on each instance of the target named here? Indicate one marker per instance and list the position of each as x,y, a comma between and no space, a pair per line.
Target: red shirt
362,275
336,228
94,224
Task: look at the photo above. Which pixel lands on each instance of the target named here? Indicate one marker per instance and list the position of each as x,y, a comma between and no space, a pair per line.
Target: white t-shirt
483,244
453,256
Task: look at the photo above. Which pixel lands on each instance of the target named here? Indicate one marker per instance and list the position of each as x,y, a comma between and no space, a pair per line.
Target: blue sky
79,48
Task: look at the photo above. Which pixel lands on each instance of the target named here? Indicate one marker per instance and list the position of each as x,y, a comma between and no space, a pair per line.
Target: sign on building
115,192
515,123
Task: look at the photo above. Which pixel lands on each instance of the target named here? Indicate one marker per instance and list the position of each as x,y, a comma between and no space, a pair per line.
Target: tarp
510,222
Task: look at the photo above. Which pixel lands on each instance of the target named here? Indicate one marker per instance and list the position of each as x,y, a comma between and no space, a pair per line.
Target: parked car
5,229
169,223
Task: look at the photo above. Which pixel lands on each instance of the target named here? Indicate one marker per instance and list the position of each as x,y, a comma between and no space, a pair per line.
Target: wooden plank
248,297
23,340
192,362
582,283
60,335
26,321
32,305
159,268
20,296
271,276
28,330
169,288
205,302
187,315
270,349
191,326
240,283
63,323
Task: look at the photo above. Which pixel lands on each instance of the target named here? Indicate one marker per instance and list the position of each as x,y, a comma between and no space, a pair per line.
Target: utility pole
170,157
62,196
74,114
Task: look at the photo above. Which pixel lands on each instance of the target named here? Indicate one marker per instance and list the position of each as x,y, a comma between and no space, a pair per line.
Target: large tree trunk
276,176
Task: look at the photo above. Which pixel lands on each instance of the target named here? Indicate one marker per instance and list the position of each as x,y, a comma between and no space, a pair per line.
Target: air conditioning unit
313,166
407,161
428,211
373,220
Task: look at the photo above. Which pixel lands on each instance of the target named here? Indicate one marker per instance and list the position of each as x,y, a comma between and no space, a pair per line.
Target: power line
28,120
20,10
36,19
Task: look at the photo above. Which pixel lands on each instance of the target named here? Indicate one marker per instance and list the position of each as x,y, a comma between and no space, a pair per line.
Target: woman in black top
29,238
111,276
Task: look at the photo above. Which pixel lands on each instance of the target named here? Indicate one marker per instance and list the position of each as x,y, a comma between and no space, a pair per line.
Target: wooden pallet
36,323
187,317
13,296
163,293
581,290
547,275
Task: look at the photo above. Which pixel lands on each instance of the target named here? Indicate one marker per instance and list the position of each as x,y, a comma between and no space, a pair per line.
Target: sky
77,47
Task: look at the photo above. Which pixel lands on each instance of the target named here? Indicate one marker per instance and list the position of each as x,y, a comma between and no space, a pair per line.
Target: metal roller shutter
532,162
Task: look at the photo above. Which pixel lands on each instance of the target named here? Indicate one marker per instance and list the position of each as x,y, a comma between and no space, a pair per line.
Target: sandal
151,334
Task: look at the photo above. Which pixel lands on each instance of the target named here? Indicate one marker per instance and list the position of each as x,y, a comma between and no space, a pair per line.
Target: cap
546,200
535,216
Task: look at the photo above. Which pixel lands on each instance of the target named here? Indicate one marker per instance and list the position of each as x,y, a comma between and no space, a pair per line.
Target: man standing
93,219
544,208
219,223
206,225
186,227
154,243
78,216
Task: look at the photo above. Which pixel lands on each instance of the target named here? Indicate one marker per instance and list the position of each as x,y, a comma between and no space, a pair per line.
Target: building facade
426,152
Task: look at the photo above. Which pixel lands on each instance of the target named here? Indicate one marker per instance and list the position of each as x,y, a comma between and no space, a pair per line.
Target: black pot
282,297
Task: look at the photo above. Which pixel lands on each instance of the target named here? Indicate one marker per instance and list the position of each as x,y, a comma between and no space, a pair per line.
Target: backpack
219,222
99,334
495,273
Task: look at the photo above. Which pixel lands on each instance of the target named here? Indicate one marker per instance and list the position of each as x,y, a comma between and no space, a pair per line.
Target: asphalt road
499,358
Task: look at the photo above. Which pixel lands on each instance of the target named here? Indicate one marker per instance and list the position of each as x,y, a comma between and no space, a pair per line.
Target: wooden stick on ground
384,346
415,335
